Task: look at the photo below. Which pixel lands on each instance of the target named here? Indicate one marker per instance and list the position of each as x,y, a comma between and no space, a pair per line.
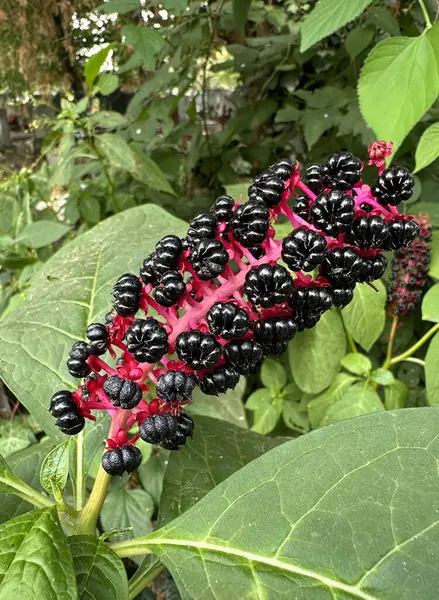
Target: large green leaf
327,17
72,290
315,353
149,173
227,407
430,304
95,63
15,435
100,574
398,84
116,151
147,42
432,371
365,316
428,147
128,508
348,511
217,450
35,560
360,399
41,233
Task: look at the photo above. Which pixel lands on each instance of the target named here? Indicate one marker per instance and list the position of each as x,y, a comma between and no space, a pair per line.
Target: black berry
309,303
124,459
333,212
127,291
198,350
147,340
64,408
202,227
393,185
268,285
303,249
123,393
167,253
282,169
175,386
228,320
167,431
97,333
209,259
223,209
170,288
77,361
341,296
244,355
402,232
268,188
219,381
373,268
301,207
368,232
314,178
250,223
342,171
342,265
148,272
274,333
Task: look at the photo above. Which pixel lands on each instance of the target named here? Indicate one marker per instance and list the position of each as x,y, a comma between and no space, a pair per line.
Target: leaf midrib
272,562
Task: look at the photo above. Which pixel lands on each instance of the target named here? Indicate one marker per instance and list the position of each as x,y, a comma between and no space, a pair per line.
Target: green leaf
35,560
398,84
327,17
297,522
292,392
94,64
116,151
432,371
396,395
72,290
108,83
128,508
227,407
382,376
356,363
433,269
90,209
149,173
318,407
119,6
152,473
108,119
147,42
240,13
430,304
217,450
273,374
295,416
258,399
315,354
238,190
55,469
14,436
358,40
100,573
428,147
382,18
360,399
266,417
365,316
41,233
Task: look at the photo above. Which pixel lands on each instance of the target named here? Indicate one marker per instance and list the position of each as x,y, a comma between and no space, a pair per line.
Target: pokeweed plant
215,303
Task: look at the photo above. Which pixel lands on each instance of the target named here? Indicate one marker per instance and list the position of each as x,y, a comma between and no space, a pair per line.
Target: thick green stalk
428,22
416,346
90,513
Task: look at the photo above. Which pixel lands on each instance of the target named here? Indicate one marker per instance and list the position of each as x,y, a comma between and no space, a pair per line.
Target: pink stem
305,189
100,365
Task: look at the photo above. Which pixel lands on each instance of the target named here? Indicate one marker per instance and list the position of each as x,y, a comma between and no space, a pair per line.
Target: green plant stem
349,337
80,487
425,13
134,547
416,346
417,361
90,513
110,182
392,334
27,493
140,581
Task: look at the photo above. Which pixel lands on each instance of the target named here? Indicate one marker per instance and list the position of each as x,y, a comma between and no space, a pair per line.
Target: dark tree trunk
5,135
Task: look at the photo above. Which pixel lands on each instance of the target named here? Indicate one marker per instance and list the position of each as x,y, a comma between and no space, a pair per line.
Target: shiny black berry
373,268
148,272
77,361
170,288
309,303
368,232
209,259
197,349
274,334
127,292
70,423
268,188
219,381
402,232
244,355
250,223
202,227
147,340
333,212
282,169
167,254
175,386
342,295
123,393
257,251
314,178
302,208
342,265
342,171
97,333
124,459
223,209
303,249
64,408
393,186
228,320
268,285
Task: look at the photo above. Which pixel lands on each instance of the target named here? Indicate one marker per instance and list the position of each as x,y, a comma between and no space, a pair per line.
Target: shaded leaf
318,407
258,398
108,83
152,473
227,407
430,304
273,374
360,399
396,395
358,40
240,12
119,6
147,42
428,147
365,316
432,371
149,173
41,233
55,469
116,151
267,416
108,119
14,436
128,508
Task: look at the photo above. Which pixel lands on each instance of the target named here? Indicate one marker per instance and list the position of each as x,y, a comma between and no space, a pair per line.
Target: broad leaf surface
396,395
315,354
41,233
428,147
430,304
100,573
72,290
35,560
318,407
432,371
365,316
15,435
360,399
356,363
217,450
240,12
227,407
55,468
116,150
348,511
125,508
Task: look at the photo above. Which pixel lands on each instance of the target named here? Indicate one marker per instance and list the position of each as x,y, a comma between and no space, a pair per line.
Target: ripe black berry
314,178
167,254
147,340
341,296
282,169
302,208
148,272
175,386
309,303
373,268
209,259
244,355
303,249
275,333
97,333
64,408
198,350
202,227
77,361
219,381
228,320
333,212
268,188
122,392
127,291
167,431
171,287
257,251
402,232
268,285
185,428
223,209
342,171
120,460
342,265
393,185
368,232
250,223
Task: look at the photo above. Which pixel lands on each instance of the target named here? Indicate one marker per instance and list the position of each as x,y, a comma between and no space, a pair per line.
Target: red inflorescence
410,272
216,302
